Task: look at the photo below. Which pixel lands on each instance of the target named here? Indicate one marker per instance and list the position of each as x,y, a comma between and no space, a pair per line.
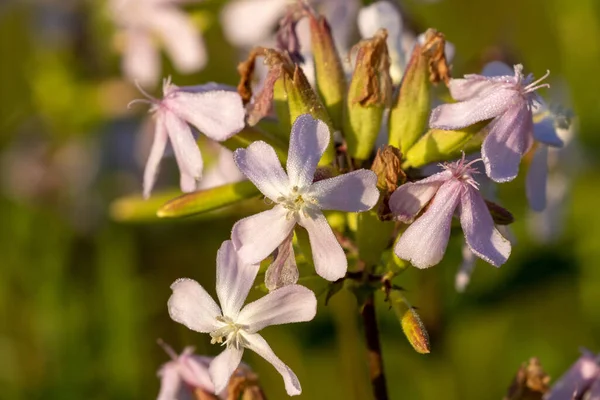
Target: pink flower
213,110
508,101
234,326
424,242
298,199
578,379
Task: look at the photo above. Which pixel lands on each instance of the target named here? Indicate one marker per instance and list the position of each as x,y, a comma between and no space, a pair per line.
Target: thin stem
374,350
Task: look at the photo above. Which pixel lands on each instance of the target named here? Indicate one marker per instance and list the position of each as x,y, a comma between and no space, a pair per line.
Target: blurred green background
83,298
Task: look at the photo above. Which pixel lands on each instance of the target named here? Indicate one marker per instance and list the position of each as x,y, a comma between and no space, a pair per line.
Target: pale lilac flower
214,111
223,172
183,374
576,380
298,199
234,326
506,100
424,241
141,22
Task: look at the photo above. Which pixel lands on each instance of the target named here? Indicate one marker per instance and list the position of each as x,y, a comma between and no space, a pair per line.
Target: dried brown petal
434,46
530,382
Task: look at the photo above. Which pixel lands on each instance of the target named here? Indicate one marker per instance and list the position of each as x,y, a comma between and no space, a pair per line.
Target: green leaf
136,209
372,237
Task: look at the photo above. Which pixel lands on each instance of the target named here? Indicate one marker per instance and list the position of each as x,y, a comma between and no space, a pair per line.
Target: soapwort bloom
424,242
212,109
508,101
298,199
234,326
577,380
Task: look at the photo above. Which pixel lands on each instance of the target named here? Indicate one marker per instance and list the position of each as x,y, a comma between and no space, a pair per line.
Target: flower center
463,171
297,201
230,334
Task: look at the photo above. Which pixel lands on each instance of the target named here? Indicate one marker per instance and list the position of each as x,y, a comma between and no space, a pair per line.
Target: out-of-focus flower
236,327
424,241
508,101
298,199
577,380
184,374
141,23
216,112
223,172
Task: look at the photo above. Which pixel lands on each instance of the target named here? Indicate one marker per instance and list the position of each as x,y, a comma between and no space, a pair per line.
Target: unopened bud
411,322
387,167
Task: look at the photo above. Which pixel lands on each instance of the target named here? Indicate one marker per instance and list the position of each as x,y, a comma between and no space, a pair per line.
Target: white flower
143,20
298,199
233,326
213,109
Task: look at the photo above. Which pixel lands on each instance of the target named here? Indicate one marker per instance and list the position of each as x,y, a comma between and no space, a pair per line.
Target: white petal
308,141
191,306
481,235
141,60
537,178
156,153
328,256
261,165
463,276
475,85
187,182
184,145
223,172
170,381
223,366
241,30
219,114
291,303
355,191
257,236
406,201
424,242
259,345
234,280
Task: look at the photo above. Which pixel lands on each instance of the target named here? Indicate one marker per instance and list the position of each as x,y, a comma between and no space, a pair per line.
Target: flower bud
369,94
530,382
411,322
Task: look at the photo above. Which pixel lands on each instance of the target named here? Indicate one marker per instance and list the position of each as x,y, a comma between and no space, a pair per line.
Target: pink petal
180,38
234,280
223,366
594,392
328,256
257,236
141,60
219,114
308,141
243,31
261,165
576,380
170,381
260,346
424,242
185,148
479,108
187,183
191,306
537,177
544,131
355,191
478,226
473,86
156,153
509,137
408,200
288,304
194,371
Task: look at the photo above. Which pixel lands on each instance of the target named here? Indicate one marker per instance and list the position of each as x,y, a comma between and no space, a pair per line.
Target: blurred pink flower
577,380
234,326
212,109
298,200
424,242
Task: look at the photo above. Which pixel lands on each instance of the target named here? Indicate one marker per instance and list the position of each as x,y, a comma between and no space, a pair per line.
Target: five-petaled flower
298,199
236,327
508,101
424,241
213,109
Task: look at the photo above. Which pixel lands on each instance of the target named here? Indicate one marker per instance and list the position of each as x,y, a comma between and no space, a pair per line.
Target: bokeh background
83,295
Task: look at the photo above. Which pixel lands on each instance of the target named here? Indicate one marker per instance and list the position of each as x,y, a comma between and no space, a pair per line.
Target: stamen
168,349
535,85
141,89
136,101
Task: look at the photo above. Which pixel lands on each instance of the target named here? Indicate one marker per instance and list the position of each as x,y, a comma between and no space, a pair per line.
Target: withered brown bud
387,167
434,50
530,382
244,384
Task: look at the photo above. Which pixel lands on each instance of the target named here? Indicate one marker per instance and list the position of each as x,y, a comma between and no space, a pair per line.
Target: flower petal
328,256
487,105
243,31
424,242
509,137
223,366
219,114
194,371
256,343
308,141
355,191
184,146
406,201
288,304
156,153
141,60
191,306
170,381
257,236
234,280
187,183
261,165
576,380
471,86
463,276
537,177
283,270
480,233
544,131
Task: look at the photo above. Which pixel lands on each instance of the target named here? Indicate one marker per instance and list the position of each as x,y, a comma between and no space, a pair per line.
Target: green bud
137,209
250,134
369,94
411,322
